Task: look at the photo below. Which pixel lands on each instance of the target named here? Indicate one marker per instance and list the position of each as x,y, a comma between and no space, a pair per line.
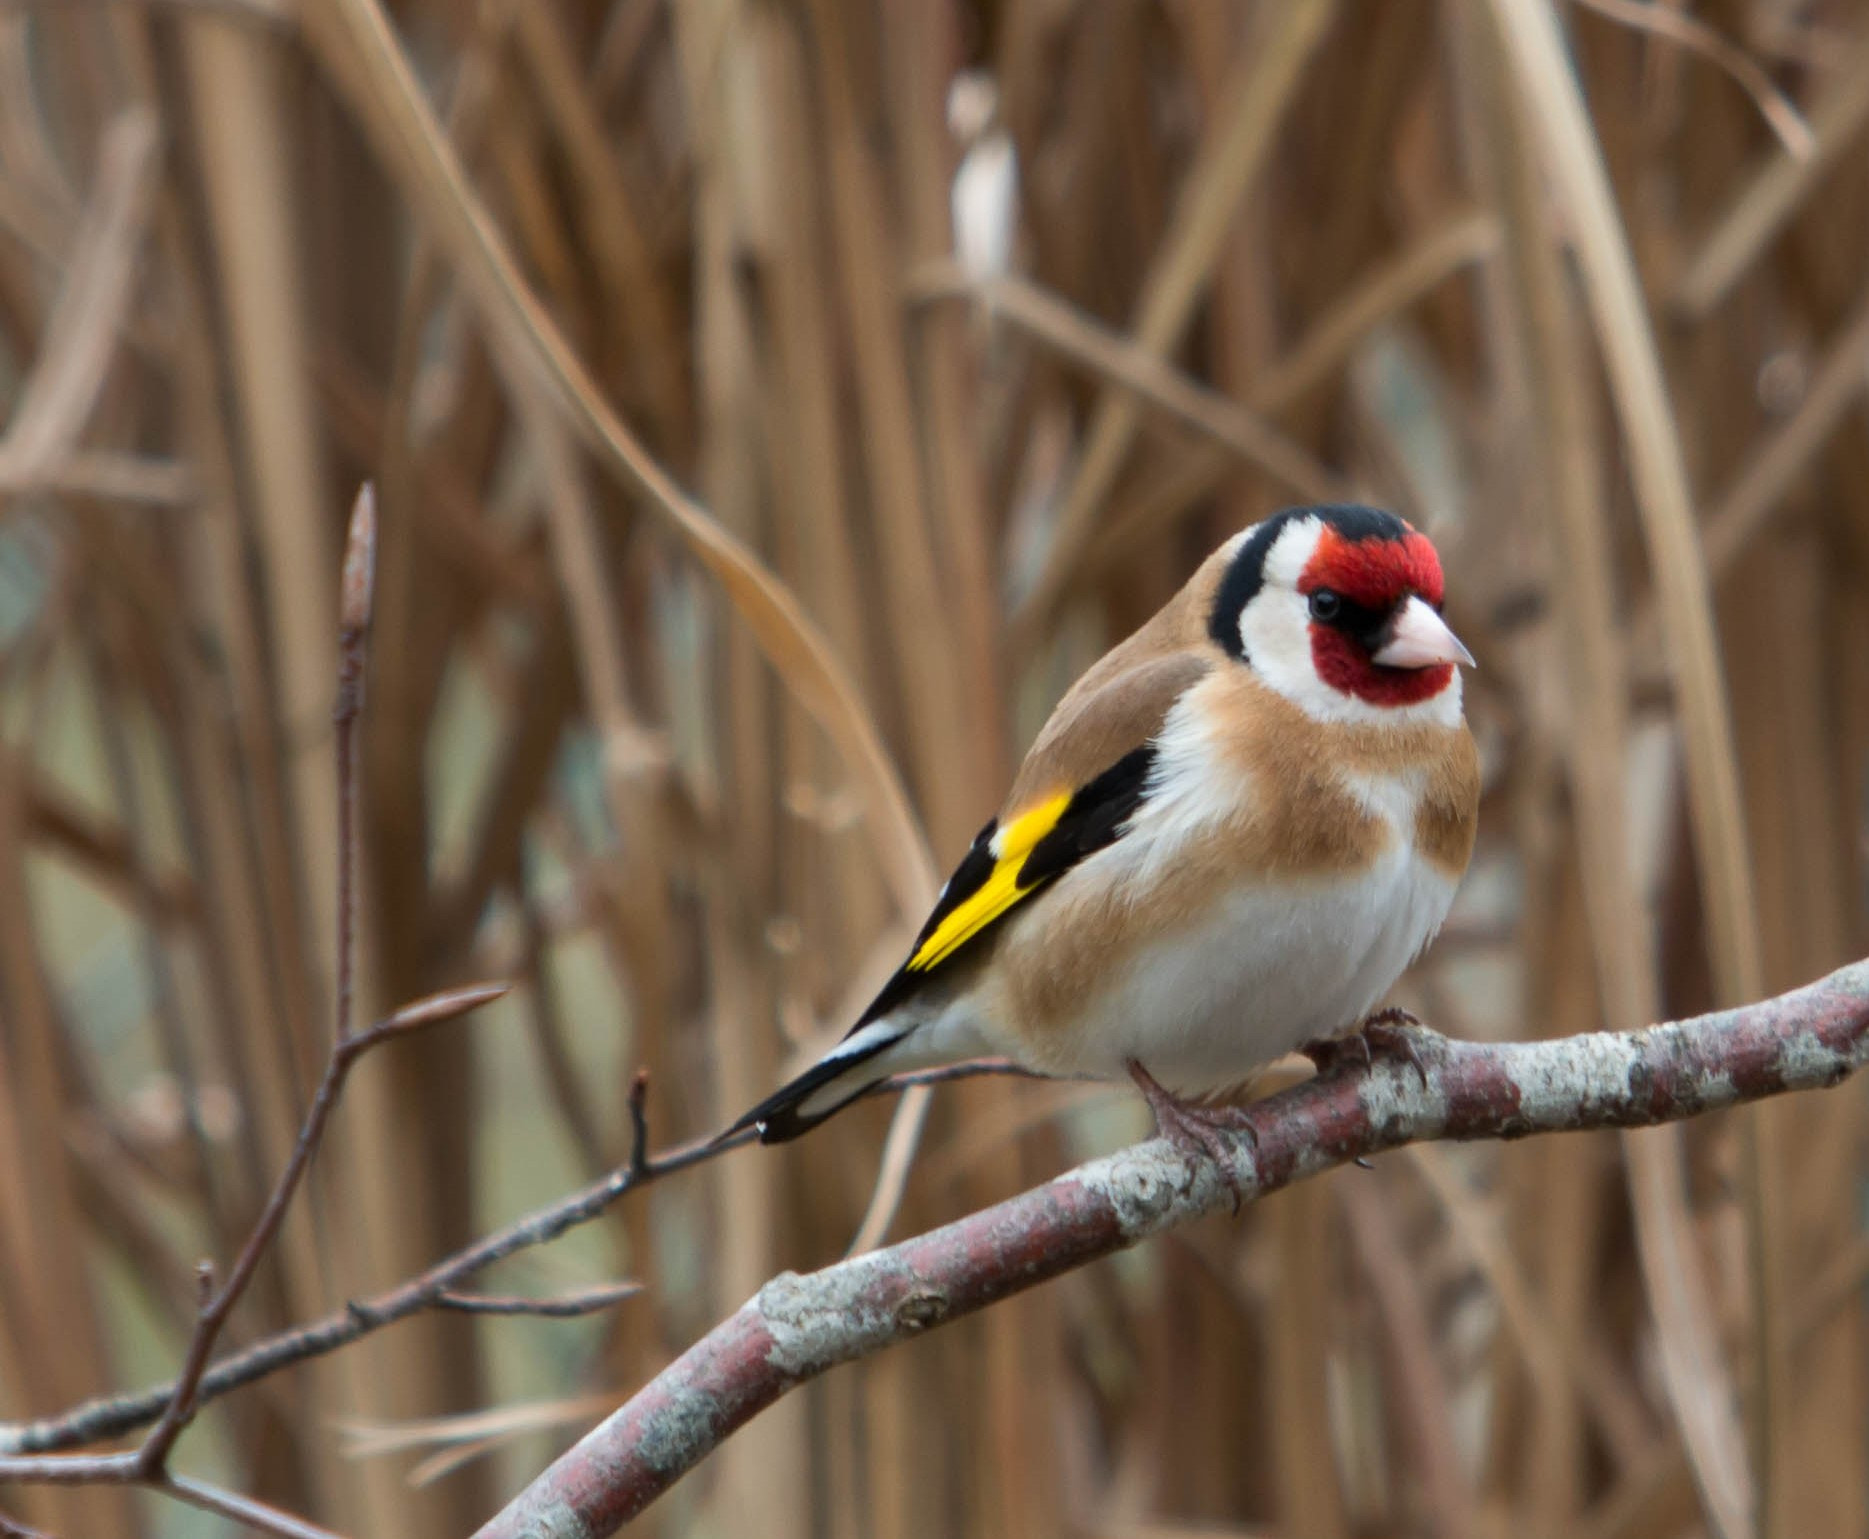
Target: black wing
988,885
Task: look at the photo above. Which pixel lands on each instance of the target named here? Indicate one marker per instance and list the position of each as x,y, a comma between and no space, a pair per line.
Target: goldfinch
1230,838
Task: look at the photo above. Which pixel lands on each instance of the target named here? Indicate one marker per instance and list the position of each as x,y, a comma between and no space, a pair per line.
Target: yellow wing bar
1001,889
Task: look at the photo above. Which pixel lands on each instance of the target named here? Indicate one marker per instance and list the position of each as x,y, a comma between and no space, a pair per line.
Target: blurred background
977,323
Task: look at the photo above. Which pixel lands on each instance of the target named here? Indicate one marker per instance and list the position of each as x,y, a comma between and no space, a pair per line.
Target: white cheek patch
1275,626
1275,629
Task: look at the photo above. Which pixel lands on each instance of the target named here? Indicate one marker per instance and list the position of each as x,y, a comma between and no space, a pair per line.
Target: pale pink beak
1420,639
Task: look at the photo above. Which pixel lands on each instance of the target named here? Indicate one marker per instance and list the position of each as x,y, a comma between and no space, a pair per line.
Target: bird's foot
1386,1033
1199,1133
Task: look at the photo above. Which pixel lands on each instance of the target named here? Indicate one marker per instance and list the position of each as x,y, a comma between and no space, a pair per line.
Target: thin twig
354,621
638,1165
242,1509
147,1464
566,1306
184,1397
127,1469
113,1416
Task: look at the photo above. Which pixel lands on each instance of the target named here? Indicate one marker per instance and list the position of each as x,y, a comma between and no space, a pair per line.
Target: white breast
1271,966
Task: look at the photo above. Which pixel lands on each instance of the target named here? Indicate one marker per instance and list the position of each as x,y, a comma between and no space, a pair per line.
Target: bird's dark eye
1325,605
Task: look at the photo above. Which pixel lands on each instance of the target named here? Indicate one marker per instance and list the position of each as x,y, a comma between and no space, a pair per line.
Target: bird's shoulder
1105,717
1122,701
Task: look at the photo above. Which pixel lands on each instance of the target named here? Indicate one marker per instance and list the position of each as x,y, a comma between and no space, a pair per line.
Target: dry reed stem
1660,478
234,73
1129,367
935,708
1383,292
607,218
1564,459
81,332
109,658
412,144
1663,497
1763,484
1430,1445
1233,154
1794,134
60,1331
1773,193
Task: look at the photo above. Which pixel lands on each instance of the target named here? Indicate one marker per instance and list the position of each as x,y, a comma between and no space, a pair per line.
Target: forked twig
218,1303
115,1415
148,1463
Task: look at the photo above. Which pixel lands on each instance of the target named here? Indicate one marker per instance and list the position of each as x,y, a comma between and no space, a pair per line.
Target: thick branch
797,1327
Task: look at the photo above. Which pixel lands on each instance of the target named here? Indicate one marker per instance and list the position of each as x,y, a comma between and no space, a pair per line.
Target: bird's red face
1338,609
1375,626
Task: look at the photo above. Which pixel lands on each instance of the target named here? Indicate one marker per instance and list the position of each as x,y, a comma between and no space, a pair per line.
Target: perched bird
1230,838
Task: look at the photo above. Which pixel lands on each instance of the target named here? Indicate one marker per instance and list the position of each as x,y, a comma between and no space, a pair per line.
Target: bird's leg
1198,1132
1385,1032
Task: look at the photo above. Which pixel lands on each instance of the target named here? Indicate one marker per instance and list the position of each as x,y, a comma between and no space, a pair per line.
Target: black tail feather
779,1117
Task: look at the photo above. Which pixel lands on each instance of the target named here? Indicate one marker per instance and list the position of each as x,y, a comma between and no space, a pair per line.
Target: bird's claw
1200,1134
1385,1033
